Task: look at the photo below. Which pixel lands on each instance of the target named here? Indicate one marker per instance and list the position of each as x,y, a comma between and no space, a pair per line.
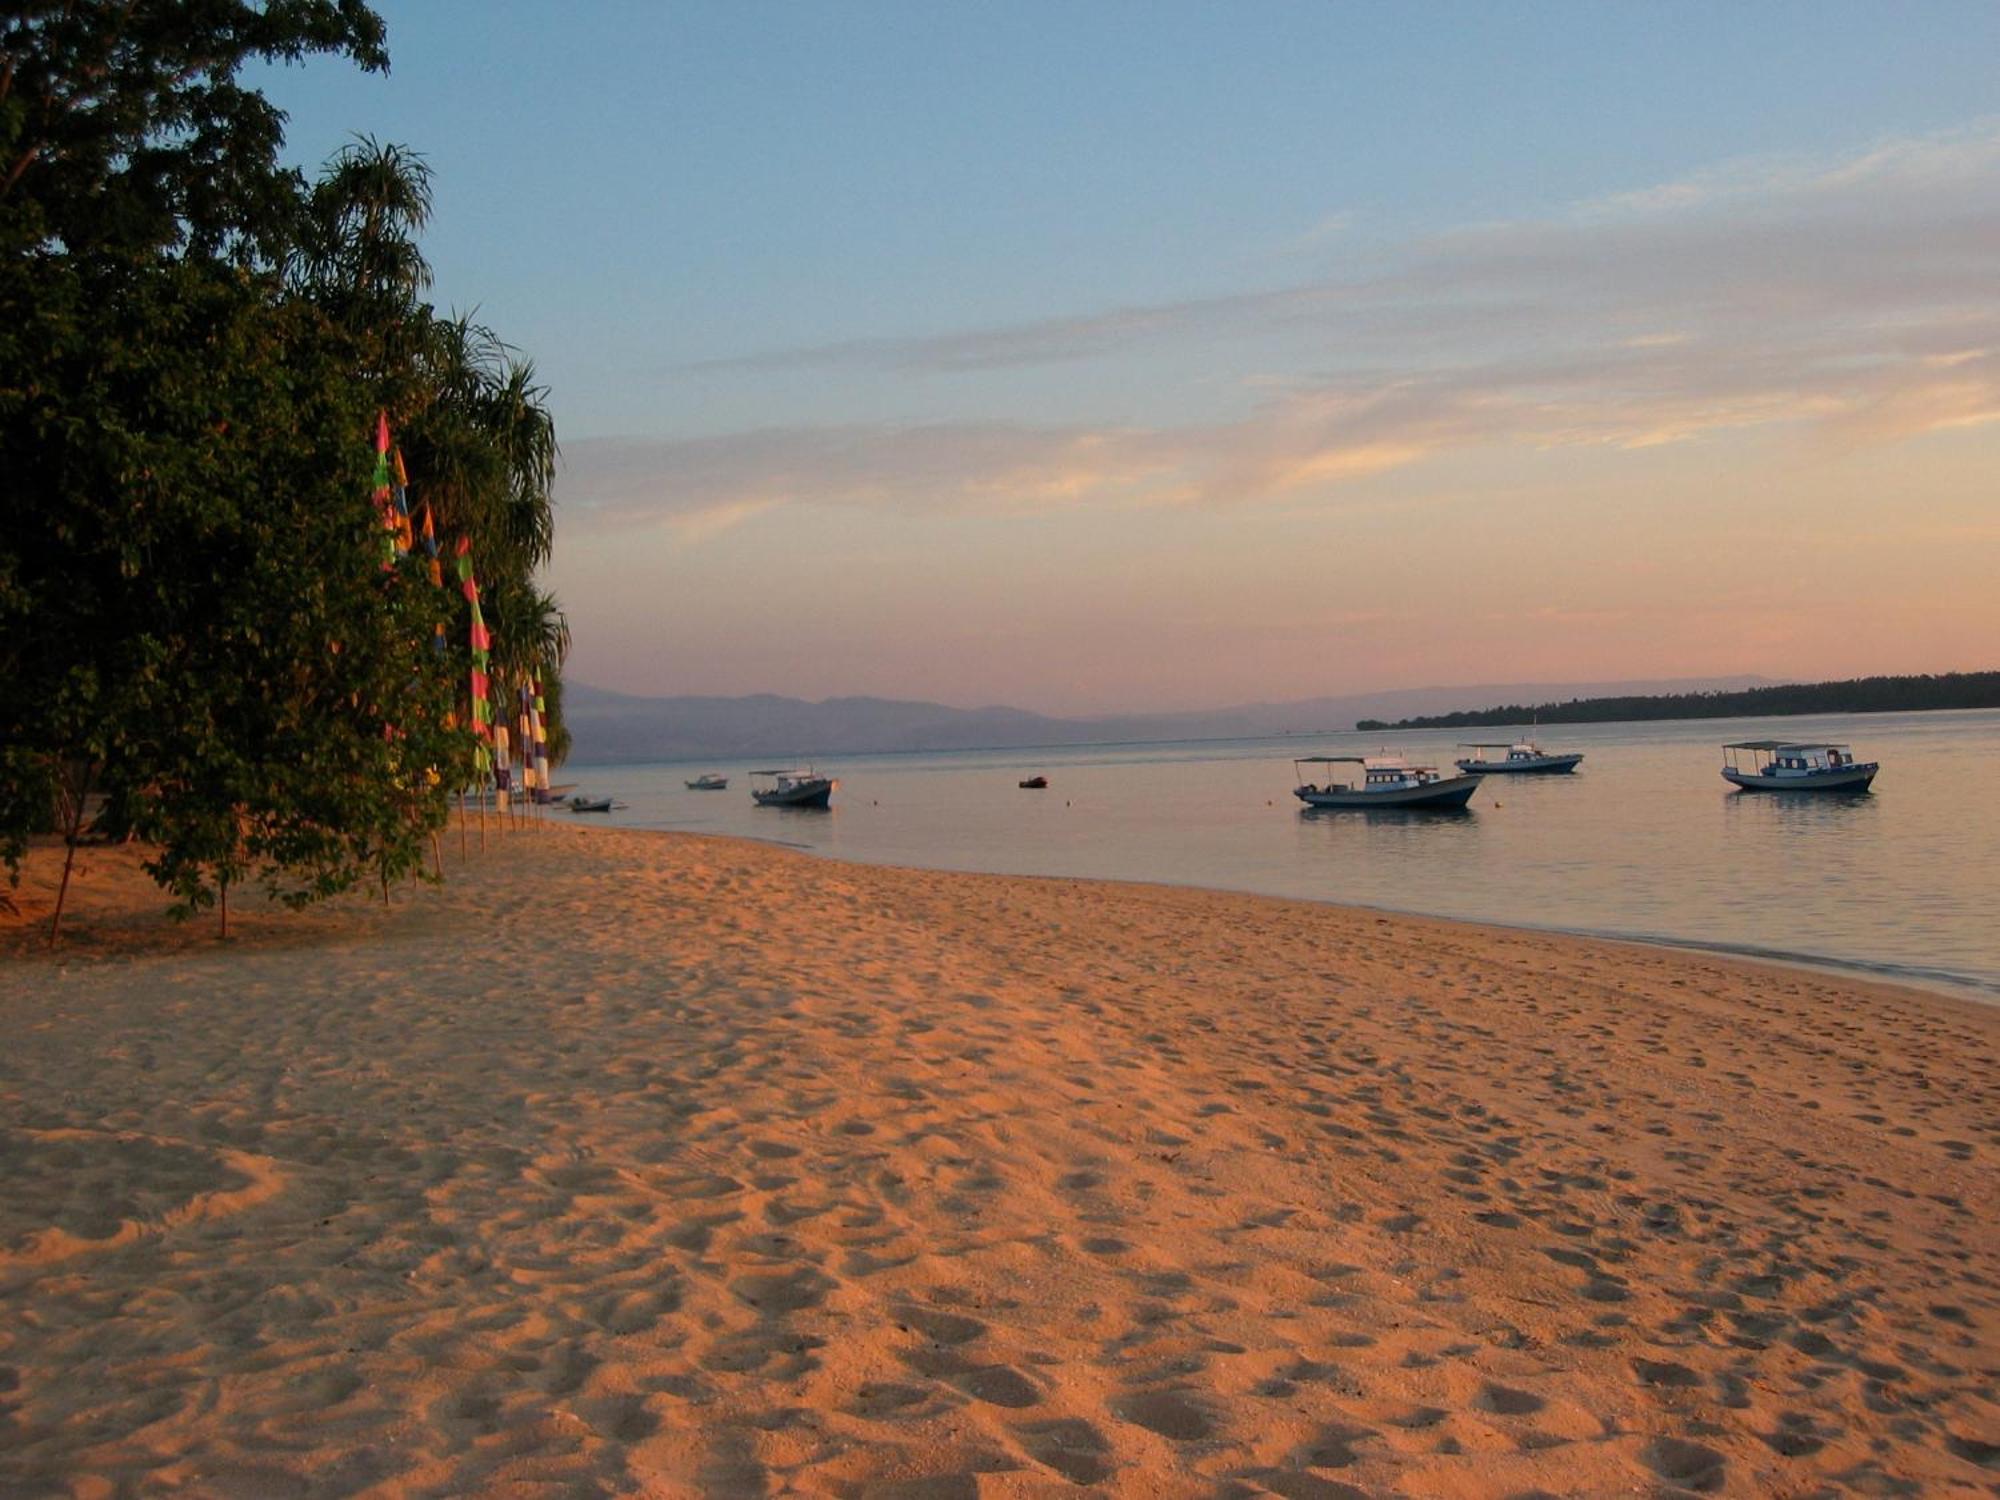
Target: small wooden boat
1517,758
796,786
1035,784
590,804
709,782
1386,781
1781,766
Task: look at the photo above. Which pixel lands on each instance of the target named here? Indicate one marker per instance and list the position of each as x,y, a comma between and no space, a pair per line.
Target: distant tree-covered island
1859,695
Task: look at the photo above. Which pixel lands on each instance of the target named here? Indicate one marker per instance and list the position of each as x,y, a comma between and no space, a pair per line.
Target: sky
1129,357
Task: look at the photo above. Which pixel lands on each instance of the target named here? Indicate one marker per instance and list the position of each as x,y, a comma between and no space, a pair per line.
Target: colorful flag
540,715
437,578
399,490
482,644
384,496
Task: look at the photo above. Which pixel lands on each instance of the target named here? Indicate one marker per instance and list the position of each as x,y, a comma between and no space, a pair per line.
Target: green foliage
204,614
472,421
124,131
194,607
1860,695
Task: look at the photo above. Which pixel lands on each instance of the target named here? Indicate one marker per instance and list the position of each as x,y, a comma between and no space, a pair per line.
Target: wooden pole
437,852
464,848
69,851
224,885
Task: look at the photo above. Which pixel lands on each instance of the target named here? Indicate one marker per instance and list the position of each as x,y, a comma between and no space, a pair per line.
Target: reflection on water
1646,839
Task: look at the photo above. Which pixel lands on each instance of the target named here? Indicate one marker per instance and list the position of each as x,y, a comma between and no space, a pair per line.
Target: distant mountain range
614,728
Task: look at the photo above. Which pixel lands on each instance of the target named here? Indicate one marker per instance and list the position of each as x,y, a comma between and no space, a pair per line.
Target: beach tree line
1859,695
215,635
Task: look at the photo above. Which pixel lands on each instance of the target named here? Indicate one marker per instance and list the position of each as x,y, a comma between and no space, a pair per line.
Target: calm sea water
1645,840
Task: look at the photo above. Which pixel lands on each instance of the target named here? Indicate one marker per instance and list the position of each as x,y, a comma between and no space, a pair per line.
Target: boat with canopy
791,786
1514,758
1787,766
1385,781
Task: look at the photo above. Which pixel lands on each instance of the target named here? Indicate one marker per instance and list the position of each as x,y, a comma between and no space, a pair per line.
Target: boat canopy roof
1775,745
1490,744
1331,760
785,771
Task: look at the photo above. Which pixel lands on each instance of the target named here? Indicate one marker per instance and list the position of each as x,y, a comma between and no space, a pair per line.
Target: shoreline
1944,983
664,1163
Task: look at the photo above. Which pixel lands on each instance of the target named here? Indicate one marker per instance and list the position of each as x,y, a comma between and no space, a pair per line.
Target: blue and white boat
1385,781
796,786
1782,766
1516,758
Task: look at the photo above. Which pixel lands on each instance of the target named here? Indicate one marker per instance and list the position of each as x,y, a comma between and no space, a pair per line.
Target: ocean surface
1645,840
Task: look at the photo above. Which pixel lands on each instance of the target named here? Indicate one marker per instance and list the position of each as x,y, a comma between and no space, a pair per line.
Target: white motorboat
1782,766
1385,781
1514,758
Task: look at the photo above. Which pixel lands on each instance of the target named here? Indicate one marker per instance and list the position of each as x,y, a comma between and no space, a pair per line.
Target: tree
125,133
471,419
202,617
195,619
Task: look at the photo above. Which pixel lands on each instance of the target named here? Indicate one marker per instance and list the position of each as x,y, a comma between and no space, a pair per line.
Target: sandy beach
653,1164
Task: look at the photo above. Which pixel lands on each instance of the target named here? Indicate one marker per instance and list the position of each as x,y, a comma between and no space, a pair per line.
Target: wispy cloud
1859,299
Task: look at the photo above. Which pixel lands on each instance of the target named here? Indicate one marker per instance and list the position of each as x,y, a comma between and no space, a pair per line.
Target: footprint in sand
1175,1413
1071,1446
70,1192
1689,1465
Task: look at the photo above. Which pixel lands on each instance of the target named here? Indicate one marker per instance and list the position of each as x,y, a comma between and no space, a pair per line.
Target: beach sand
649,1164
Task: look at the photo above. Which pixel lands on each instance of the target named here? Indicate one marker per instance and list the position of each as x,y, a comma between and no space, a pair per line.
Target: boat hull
1846,779
1541,765
708,786
816,794
1452,791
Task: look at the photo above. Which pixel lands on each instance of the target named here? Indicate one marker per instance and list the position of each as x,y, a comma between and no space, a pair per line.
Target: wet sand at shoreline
654,1164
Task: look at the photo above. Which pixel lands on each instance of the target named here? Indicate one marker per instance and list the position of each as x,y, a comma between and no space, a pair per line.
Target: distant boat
709,781
1035,784
1386,781
1781,766
1521,758
797,786
590,804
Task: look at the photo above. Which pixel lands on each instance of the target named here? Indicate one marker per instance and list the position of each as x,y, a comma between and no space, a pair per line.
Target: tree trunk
69,850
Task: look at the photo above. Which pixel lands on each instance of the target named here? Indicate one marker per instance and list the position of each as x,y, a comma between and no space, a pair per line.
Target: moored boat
796,786
1783,766
590,804
1386,781
1035,784
1516,758
709,781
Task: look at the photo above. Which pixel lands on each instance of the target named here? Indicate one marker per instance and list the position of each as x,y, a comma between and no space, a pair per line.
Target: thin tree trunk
225,909
464,848
69,850
437,853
